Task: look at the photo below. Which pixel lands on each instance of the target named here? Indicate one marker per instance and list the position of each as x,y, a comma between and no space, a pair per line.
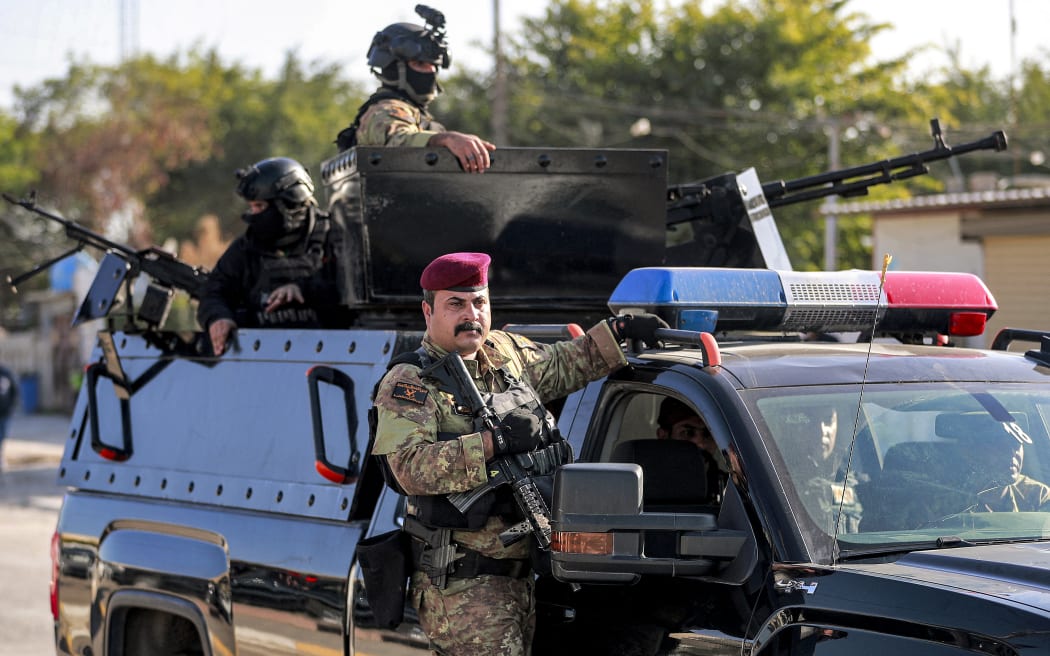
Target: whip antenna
886,259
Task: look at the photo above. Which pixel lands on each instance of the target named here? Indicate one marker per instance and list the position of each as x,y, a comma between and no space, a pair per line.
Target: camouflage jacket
396,122
412,411
1023,495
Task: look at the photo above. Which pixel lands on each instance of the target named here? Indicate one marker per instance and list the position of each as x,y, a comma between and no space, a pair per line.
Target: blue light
703,298
701,321
710,287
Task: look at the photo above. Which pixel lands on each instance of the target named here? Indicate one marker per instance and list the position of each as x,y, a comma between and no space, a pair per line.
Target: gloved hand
519,433
638,327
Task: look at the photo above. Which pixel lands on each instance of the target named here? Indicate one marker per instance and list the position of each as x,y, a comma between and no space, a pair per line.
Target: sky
38,38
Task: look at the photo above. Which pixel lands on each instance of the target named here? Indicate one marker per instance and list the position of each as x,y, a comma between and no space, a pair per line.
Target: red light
574,330
936,303
931,289
53,592
967,324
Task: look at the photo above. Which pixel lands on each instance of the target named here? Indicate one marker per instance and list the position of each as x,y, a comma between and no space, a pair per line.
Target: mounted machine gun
119,268
730,213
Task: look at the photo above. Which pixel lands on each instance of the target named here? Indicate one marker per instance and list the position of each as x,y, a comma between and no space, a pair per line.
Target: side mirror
601,534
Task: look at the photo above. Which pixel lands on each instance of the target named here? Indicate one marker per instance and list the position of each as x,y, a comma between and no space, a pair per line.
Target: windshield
928,461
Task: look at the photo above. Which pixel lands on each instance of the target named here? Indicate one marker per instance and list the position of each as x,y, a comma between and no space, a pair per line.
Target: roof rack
1007,336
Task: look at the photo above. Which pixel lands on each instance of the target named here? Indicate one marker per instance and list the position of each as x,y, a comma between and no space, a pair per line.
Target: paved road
29,502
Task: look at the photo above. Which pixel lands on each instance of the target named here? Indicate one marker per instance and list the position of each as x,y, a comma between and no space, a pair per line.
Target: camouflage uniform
396,122
1023,495
486,614
827,499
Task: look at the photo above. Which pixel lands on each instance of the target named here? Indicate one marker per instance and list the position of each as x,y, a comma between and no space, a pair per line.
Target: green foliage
297,115
746,84
16,155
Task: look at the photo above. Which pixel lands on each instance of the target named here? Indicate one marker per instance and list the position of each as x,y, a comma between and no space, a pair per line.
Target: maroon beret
458,272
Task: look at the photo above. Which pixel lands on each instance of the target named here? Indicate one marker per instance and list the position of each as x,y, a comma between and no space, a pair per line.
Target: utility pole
499,84
1013,83
128,28
830,218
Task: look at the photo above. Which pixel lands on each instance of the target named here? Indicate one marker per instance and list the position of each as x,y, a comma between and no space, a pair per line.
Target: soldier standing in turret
406,57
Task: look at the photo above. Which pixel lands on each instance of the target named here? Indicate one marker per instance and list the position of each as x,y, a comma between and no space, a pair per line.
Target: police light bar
722,299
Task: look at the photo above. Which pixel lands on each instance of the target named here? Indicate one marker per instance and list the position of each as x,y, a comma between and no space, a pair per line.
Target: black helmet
276,178
406,41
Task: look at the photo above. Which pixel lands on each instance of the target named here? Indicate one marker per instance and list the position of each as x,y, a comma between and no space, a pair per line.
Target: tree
746,84
17,175
109,136
297,115
142,151
157,141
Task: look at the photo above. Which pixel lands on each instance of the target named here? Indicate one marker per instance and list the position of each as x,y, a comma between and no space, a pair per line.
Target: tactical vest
347,137
280,268
436,510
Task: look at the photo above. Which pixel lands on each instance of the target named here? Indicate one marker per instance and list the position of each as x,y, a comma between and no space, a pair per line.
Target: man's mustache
467,325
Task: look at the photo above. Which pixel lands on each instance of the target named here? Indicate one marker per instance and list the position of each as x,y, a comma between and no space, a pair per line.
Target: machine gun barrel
164,267
841,182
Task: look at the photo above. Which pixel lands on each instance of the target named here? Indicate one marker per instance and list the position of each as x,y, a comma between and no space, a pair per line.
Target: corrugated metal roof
983,199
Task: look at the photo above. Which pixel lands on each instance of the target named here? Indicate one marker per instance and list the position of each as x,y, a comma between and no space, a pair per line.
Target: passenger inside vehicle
817,459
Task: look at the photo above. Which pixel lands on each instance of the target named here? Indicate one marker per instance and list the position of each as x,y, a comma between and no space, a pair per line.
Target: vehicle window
671,441
914,462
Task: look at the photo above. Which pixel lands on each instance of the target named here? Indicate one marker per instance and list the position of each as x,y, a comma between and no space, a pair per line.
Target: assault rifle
120,266
512,470
730,213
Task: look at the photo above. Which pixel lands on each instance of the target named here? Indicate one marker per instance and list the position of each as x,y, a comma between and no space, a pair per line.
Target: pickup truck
206,513
214,505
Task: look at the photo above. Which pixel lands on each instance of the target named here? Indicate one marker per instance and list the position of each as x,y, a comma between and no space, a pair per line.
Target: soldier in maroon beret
480,601
461,321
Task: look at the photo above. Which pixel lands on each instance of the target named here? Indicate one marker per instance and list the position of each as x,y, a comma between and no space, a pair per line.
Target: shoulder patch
521,341
409,392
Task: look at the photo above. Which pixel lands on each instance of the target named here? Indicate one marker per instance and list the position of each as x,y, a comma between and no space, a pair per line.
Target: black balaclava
420,87
275,226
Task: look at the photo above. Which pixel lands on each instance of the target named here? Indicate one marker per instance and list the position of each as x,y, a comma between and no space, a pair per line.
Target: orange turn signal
582,543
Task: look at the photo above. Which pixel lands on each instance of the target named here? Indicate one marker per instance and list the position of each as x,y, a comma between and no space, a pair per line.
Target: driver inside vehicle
1009,490
677,421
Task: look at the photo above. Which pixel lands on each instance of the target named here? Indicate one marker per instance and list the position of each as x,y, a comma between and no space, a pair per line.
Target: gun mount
730,215
562,226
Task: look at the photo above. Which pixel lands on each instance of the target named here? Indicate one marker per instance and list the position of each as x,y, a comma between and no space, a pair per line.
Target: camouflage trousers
486,616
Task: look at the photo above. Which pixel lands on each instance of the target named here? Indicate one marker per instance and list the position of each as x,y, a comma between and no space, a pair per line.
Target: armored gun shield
562,225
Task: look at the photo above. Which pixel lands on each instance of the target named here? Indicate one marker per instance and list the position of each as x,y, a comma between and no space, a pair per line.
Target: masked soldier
475,595
405,58
283,272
